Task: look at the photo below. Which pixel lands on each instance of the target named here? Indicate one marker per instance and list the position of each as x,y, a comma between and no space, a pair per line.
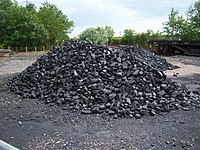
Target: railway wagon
172,46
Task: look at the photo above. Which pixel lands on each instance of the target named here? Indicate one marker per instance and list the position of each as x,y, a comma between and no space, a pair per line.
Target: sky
138,15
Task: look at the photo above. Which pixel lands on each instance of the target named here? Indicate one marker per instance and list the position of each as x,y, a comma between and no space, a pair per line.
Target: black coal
123,82
149,58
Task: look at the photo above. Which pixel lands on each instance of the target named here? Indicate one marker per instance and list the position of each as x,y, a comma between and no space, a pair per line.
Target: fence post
26,49
35,49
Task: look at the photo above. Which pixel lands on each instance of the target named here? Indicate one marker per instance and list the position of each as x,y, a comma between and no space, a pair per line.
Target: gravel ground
30,124
17,63
187,60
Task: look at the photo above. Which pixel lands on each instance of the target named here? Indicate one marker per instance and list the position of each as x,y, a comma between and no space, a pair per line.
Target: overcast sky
139,15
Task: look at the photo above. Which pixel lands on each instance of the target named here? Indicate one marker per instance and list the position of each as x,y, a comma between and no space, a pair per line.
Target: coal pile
121,82
150,58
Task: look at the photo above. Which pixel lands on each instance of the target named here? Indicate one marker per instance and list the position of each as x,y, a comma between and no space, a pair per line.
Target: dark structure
172,46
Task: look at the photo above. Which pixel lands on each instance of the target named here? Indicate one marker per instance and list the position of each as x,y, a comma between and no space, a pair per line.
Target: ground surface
30,124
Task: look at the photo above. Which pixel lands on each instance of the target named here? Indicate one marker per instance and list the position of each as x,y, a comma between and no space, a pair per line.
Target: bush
116,41
1,46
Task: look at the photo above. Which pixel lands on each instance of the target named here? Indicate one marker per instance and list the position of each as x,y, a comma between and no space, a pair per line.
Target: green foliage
154,35
89,34
99,35
184,29
174,26
194,19
31,8
116,40
1,46
141,39
128,37
2,25
109,33
55,22
5,4
23,28
71,39
28,26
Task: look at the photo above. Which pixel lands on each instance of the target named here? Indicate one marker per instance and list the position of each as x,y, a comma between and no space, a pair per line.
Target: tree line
26,26
48,26
104,35
177,27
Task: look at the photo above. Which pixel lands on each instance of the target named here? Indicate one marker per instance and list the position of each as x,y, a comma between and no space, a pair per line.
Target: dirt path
188,73
30,124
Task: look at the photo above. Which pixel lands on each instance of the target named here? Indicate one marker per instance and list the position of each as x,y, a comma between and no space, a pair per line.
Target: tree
99,35
116,40
174,27
141,39
90,34
144,37
184,29
128,37
137,38
154,35
31,8
55,22
2,26
109,33
5,4
194,19
23,28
